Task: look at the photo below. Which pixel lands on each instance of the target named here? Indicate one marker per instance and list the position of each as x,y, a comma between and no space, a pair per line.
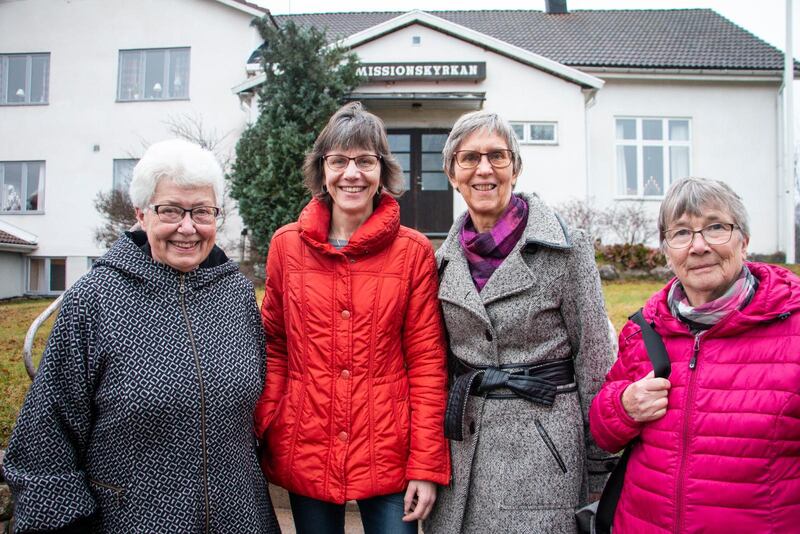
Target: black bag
597,517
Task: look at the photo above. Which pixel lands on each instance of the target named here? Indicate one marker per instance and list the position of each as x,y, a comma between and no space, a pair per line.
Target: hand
419,500
646,399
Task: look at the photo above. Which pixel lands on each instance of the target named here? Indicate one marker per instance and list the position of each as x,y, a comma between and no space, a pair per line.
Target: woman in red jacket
354,400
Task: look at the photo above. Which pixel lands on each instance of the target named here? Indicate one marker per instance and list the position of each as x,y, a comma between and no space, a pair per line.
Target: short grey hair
477,121
695,196
184,163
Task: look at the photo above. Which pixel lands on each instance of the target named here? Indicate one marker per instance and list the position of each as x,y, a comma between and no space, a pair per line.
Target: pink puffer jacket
726,456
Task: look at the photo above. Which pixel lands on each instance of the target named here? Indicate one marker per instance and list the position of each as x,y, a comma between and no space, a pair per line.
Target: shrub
630,256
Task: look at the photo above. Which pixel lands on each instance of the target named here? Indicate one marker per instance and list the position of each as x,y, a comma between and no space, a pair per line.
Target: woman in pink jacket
716,447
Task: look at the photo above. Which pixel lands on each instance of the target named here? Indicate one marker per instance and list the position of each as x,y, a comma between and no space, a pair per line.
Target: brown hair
352,127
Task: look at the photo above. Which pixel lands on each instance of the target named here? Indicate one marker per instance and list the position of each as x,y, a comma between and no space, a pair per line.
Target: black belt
536,383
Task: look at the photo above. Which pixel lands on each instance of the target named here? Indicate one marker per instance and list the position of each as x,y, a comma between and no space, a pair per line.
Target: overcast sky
764,18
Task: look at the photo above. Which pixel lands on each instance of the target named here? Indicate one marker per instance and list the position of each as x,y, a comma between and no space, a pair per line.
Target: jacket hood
128,256
777,296
377,232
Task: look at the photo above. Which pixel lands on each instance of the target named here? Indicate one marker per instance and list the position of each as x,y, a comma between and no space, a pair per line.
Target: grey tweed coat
543,303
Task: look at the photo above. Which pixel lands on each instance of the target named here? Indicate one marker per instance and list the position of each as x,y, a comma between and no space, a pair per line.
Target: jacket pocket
538,453
110,496
401,419
550,445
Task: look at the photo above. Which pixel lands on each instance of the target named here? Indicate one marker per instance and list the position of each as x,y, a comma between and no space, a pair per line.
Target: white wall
516,91
734,139
84,38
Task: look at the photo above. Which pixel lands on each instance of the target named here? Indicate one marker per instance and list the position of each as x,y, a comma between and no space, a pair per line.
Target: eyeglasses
498,159
364,162
175,214
713,234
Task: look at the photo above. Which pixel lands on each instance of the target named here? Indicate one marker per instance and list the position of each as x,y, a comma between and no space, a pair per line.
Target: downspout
589,99
788,141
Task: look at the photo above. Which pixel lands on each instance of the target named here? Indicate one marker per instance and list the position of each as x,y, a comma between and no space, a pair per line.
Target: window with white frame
24,79
123,173
536,133
153,74
21,186
47,275
651,154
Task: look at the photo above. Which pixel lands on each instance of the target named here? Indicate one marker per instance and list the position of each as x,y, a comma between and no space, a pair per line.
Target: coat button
345,314
343,436
472,427
488,335
345,374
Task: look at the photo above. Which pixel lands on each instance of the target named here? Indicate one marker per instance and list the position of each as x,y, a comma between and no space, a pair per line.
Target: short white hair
184,163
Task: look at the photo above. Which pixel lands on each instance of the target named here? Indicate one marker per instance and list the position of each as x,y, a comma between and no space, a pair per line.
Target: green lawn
15,318
622,299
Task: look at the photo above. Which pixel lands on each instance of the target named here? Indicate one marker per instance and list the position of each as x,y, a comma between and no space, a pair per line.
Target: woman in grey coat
529,347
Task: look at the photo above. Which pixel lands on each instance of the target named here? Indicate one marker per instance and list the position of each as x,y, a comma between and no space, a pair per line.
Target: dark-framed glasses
498,159
174,214
713,234
339,162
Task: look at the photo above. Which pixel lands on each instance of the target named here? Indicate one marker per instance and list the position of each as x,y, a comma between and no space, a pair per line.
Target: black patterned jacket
140,417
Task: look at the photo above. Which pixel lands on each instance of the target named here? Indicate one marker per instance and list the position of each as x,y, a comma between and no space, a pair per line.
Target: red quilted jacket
726,456
354,400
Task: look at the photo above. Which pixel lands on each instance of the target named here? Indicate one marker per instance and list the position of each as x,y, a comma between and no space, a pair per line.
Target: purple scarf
485,252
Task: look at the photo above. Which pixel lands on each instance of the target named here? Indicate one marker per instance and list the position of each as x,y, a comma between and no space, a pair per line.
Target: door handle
418,180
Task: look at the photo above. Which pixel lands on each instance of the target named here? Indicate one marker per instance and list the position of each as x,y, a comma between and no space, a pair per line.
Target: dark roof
8,239
641,38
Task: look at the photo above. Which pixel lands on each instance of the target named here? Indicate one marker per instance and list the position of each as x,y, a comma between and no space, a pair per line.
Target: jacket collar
543,229
777,297
377,232
128,255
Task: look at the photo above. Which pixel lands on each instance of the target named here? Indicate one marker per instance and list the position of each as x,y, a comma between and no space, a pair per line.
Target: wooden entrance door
427,204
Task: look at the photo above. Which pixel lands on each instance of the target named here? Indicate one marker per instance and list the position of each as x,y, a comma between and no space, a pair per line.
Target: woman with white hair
716,446
140,417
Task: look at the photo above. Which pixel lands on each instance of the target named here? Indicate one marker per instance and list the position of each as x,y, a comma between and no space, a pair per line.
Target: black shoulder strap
654,345
613,489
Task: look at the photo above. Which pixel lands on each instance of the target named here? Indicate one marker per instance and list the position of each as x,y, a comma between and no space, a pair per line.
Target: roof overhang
245,7
30,240
8,247
473,37
249,84
457,31
700,75
451,100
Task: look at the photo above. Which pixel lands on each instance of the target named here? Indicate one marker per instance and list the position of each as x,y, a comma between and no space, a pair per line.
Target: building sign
382,72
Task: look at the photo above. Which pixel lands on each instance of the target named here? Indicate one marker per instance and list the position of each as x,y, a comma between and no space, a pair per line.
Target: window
154,74
47,275
651,154
24,79
536,133
123,172
21,186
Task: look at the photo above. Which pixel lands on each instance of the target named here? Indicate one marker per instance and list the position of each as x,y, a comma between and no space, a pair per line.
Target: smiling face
706,271
351,189
485,189
183,246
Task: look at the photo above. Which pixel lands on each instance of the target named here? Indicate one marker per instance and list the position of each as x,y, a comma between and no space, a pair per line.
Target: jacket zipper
685,433
118,491
202,400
